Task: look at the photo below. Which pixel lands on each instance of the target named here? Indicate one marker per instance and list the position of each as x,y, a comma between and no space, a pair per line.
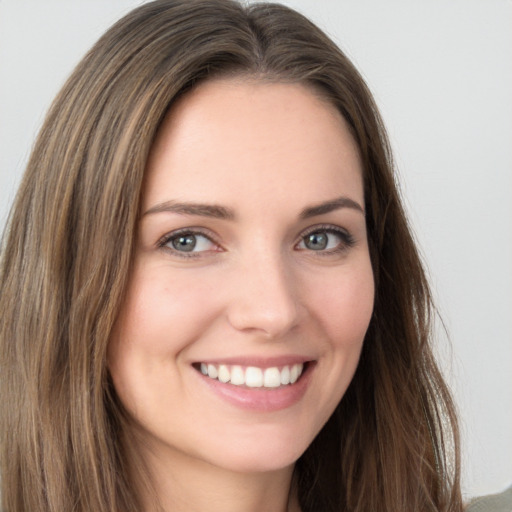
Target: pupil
316,241
184,243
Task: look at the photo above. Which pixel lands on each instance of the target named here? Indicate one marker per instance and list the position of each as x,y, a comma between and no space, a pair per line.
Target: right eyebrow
329,206
201,209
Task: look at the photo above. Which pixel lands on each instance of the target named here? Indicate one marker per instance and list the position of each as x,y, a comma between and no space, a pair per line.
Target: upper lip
257,361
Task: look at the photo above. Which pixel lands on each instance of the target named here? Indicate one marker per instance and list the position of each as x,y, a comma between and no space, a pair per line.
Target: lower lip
261,399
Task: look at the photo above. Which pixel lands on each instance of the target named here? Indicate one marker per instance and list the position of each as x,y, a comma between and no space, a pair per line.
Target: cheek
157,322
340,303
344,307
163,314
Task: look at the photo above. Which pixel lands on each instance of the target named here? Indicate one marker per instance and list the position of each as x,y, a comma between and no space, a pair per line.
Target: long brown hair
392,442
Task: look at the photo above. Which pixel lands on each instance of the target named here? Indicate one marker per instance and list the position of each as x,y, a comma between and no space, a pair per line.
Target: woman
211,296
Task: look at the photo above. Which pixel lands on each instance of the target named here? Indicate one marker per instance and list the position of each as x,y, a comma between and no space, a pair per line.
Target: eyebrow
330,206
221,212
203,210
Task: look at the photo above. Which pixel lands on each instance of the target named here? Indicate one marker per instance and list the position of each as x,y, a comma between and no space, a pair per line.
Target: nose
265,301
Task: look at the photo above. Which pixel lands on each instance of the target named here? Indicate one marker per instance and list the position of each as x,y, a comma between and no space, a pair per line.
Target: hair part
392,442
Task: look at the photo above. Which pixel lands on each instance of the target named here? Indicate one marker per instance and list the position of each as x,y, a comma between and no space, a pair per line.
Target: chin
265,453
259,463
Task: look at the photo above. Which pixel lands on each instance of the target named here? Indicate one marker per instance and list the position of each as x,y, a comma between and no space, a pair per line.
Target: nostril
264,299
273,321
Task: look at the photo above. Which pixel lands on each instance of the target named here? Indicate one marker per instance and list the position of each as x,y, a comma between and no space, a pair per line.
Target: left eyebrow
329,206
199,209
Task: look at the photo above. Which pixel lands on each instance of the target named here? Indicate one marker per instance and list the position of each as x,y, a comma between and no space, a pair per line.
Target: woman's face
251,266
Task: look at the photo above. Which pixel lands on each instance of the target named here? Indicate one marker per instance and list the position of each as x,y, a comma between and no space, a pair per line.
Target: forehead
228,138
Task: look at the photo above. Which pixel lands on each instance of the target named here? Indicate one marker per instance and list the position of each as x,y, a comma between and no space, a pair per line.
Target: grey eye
317,241
328,240
190,242
184,243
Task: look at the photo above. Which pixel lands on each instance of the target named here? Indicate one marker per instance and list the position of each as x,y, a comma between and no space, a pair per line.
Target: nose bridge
265,300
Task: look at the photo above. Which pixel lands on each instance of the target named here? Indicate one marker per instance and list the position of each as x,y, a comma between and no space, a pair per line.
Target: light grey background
441,72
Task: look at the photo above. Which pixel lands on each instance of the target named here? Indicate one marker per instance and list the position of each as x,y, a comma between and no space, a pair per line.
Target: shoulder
493,503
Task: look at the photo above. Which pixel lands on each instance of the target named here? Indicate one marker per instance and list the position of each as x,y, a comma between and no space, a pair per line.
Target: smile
253,376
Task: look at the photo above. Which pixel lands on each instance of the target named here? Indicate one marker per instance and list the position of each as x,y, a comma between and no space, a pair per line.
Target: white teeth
271,378
237,376
295,372
252,376
285,375
224,374
212,371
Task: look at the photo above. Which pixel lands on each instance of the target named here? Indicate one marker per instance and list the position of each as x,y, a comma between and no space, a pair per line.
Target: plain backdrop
441,72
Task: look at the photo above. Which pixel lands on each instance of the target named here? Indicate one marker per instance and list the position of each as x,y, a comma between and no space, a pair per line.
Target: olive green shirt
501,502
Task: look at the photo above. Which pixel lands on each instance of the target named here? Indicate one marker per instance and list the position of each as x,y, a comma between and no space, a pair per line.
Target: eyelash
347,240
167,239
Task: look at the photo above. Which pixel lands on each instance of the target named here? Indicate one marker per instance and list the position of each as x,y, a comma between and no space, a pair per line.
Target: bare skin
252,257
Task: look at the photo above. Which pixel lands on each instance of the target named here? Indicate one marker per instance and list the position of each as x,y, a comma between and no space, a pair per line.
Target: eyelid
196,231
347,237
